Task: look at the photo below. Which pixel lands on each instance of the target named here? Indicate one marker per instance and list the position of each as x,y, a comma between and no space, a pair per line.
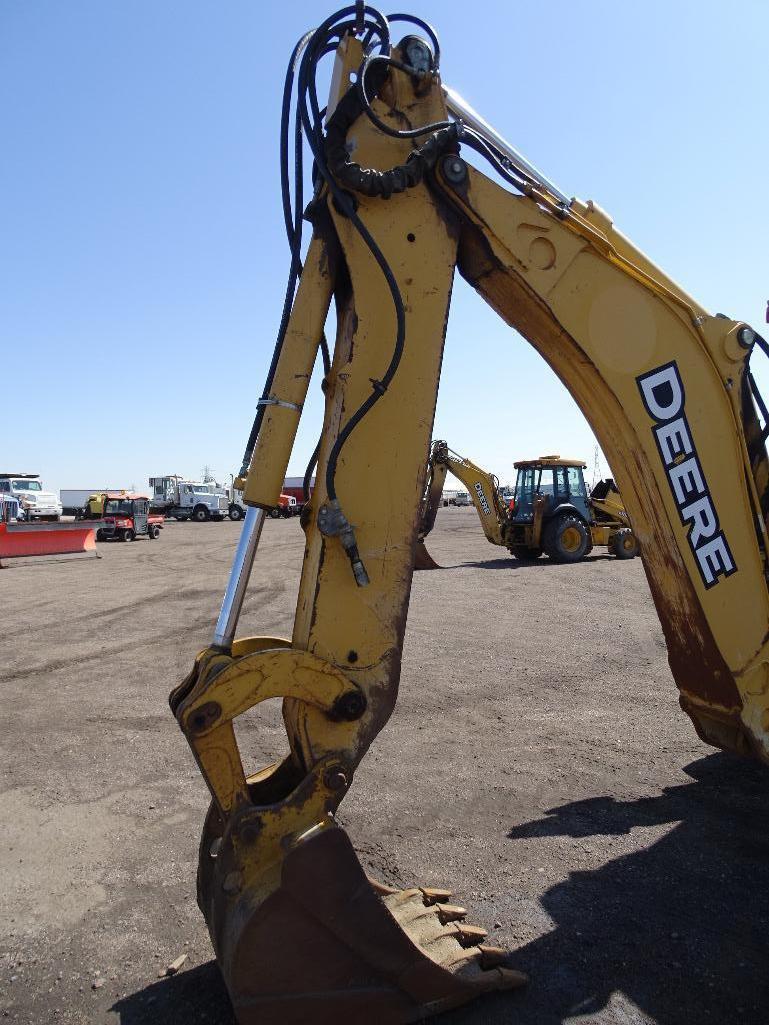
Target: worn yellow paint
601,315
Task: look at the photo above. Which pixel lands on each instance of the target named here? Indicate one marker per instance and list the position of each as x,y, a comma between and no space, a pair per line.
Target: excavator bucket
300,932
329,945
423,559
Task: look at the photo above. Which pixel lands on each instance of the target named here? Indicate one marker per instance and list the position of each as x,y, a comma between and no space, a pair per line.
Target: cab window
544,482
524,485
561,484
576,482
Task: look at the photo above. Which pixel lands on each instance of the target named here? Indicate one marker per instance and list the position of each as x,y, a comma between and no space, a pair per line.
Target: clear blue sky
142,252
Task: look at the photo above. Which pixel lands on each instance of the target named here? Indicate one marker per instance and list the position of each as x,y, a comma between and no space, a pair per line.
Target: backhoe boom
300,933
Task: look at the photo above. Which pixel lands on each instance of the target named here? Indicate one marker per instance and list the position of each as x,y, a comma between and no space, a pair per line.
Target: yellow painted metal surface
269,462
381,473
603,317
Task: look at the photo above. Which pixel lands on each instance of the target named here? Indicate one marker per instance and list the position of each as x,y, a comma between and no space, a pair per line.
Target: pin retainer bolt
746,336
454,169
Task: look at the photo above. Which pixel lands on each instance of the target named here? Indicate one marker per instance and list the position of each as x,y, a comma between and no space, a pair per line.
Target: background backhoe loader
550,511
300,932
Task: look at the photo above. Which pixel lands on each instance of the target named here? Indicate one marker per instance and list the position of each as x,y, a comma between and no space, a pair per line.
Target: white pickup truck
34,502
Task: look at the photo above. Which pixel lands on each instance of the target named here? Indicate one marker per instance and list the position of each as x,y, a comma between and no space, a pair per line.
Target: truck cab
34,502
189,499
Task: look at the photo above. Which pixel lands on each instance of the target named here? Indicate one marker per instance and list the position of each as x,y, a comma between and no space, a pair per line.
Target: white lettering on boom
664,399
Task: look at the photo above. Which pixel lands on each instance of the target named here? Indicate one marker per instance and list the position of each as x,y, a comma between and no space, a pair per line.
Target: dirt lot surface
537,762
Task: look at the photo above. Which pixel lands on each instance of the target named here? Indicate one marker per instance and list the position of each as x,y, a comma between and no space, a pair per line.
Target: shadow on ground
513,564
194,996
679,928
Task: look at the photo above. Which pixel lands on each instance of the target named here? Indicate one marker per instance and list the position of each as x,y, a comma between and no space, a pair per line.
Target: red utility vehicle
127,517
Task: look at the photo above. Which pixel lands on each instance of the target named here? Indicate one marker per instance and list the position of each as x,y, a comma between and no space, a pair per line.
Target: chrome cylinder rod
462,111
232,602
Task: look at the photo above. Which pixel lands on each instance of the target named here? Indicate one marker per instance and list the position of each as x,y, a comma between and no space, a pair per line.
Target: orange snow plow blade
423,559
23,542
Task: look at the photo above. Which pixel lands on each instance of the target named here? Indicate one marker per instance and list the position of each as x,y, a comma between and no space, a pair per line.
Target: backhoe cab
551,512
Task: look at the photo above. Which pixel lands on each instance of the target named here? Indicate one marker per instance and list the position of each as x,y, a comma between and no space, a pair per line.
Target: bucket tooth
450,912
434,896
381,888
495,957
470,935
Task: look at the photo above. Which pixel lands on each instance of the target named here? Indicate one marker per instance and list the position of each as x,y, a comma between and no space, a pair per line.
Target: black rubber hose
398,179
307,90
293,224
405,133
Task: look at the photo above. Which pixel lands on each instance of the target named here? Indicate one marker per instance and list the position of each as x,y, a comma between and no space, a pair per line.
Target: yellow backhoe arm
482,487
300,933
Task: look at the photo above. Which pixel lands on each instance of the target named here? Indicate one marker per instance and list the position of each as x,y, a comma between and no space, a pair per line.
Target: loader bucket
423,559
326,945
21,543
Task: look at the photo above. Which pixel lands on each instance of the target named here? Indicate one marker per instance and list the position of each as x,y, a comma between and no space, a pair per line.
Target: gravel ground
537,762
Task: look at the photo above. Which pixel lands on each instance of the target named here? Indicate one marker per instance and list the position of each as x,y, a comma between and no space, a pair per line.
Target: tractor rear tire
275,513
566,539
524,554
153,532
624,544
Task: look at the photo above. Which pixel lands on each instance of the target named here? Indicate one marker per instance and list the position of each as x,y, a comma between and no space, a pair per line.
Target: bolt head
417,53
746,336
350,706
454,169
335,779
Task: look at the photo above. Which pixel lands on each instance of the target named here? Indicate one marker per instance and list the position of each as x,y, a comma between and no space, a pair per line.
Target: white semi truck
194,500
34,502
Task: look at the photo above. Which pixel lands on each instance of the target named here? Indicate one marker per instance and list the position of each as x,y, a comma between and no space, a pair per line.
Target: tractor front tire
624,544
566,539
200,514
128,535
236,513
